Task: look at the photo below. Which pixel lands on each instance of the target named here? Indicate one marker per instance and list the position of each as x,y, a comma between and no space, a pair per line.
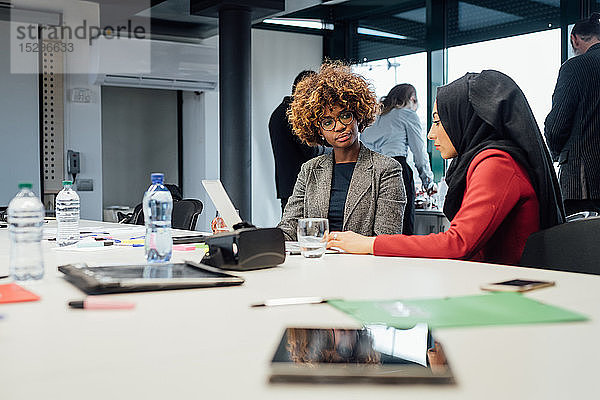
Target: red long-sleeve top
498,213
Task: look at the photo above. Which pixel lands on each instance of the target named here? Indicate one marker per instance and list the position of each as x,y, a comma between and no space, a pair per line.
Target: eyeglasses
328,123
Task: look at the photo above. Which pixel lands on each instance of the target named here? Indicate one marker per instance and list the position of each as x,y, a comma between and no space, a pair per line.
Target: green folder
479,310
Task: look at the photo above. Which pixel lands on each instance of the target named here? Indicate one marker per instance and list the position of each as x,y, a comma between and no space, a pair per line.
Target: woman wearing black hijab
501,183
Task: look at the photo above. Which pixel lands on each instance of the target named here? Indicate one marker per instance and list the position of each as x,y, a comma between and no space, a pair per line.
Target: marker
96,304
290,301
102,239
94,244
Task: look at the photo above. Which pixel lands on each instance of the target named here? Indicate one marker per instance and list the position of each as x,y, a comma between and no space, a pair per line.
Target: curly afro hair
334,85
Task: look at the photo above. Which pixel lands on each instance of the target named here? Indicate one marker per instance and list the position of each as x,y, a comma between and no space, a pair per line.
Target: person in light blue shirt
395,131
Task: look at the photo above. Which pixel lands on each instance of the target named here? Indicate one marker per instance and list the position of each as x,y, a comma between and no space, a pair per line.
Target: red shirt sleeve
494,186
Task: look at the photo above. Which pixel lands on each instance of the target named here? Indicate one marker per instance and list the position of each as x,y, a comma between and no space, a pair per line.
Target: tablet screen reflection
372,345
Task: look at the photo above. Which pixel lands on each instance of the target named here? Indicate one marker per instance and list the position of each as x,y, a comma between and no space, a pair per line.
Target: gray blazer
375,202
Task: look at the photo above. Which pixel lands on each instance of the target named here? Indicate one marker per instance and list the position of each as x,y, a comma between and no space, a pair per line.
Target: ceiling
466,20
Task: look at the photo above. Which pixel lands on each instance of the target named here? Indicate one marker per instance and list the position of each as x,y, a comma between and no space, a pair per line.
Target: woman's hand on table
351,242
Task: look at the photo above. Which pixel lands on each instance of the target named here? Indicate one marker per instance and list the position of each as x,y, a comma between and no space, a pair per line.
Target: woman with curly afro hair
353,187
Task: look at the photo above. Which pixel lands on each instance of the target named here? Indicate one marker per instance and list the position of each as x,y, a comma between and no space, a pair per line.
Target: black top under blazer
572,128
375,202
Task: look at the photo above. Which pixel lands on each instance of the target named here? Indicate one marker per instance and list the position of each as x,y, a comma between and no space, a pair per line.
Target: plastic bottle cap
25,185
67,183
157,177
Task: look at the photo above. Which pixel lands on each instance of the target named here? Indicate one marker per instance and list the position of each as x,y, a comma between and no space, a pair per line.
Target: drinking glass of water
312,236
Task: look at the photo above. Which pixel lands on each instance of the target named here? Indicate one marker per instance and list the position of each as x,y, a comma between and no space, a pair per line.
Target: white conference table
208,343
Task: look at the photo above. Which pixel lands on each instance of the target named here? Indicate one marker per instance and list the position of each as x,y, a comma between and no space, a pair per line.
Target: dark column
235,107
570,12
180,140
436,70
340,44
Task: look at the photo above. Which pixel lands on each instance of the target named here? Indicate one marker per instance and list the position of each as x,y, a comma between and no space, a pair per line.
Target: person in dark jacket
572,127
289,151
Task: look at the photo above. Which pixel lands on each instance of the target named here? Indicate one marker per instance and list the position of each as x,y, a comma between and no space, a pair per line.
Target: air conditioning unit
153,64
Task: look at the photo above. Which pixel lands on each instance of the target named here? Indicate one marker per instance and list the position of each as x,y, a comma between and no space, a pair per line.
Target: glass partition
531,60
385,74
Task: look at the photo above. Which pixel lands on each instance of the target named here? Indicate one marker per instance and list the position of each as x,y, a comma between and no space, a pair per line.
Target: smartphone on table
516,285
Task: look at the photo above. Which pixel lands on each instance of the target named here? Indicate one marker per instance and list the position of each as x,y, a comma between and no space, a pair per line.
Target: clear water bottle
67,215
26,222
158,205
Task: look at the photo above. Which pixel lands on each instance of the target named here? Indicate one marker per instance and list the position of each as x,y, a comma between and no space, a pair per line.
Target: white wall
139,136
200,149
277,57
19,124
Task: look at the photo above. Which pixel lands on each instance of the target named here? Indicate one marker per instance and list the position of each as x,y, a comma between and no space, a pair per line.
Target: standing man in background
572,128
290,153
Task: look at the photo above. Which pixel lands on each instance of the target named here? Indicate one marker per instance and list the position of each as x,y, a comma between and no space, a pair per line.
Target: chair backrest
581,215
137,216
572,246
186,213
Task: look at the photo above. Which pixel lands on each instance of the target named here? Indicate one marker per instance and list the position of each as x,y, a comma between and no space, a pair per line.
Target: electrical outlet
85,185
73,166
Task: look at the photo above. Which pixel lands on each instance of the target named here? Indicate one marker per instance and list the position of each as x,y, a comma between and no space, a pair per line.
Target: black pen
4,276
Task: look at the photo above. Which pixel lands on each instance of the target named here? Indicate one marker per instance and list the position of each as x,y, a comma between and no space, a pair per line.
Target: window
385,74
531,60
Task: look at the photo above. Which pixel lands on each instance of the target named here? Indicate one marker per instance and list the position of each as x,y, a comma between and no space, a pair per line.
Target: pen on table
110,239
95,304
94,244
3,276
288,301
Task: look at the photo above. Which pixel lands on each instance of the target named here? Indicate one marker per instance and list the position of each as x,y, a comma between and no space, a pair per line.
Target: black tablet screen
152,271
375,352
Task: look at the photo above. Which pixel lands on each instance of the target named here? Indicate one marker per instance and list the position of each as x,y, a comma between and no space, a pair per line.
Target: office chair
581,215
137,216
572,246
185,214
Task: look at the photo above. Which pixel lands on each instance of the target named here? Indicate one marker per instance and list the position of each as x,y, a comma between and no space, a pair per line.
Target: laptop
222,202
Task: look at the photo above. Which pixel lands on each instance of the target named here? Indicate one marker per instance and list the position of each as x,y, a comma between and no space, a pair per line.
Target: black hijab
489,111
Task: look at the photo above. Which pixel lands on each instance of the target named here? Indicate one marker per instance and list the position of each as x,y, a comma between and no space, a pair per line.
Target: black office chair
186,213
581,215
184,216
135,218
572,246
